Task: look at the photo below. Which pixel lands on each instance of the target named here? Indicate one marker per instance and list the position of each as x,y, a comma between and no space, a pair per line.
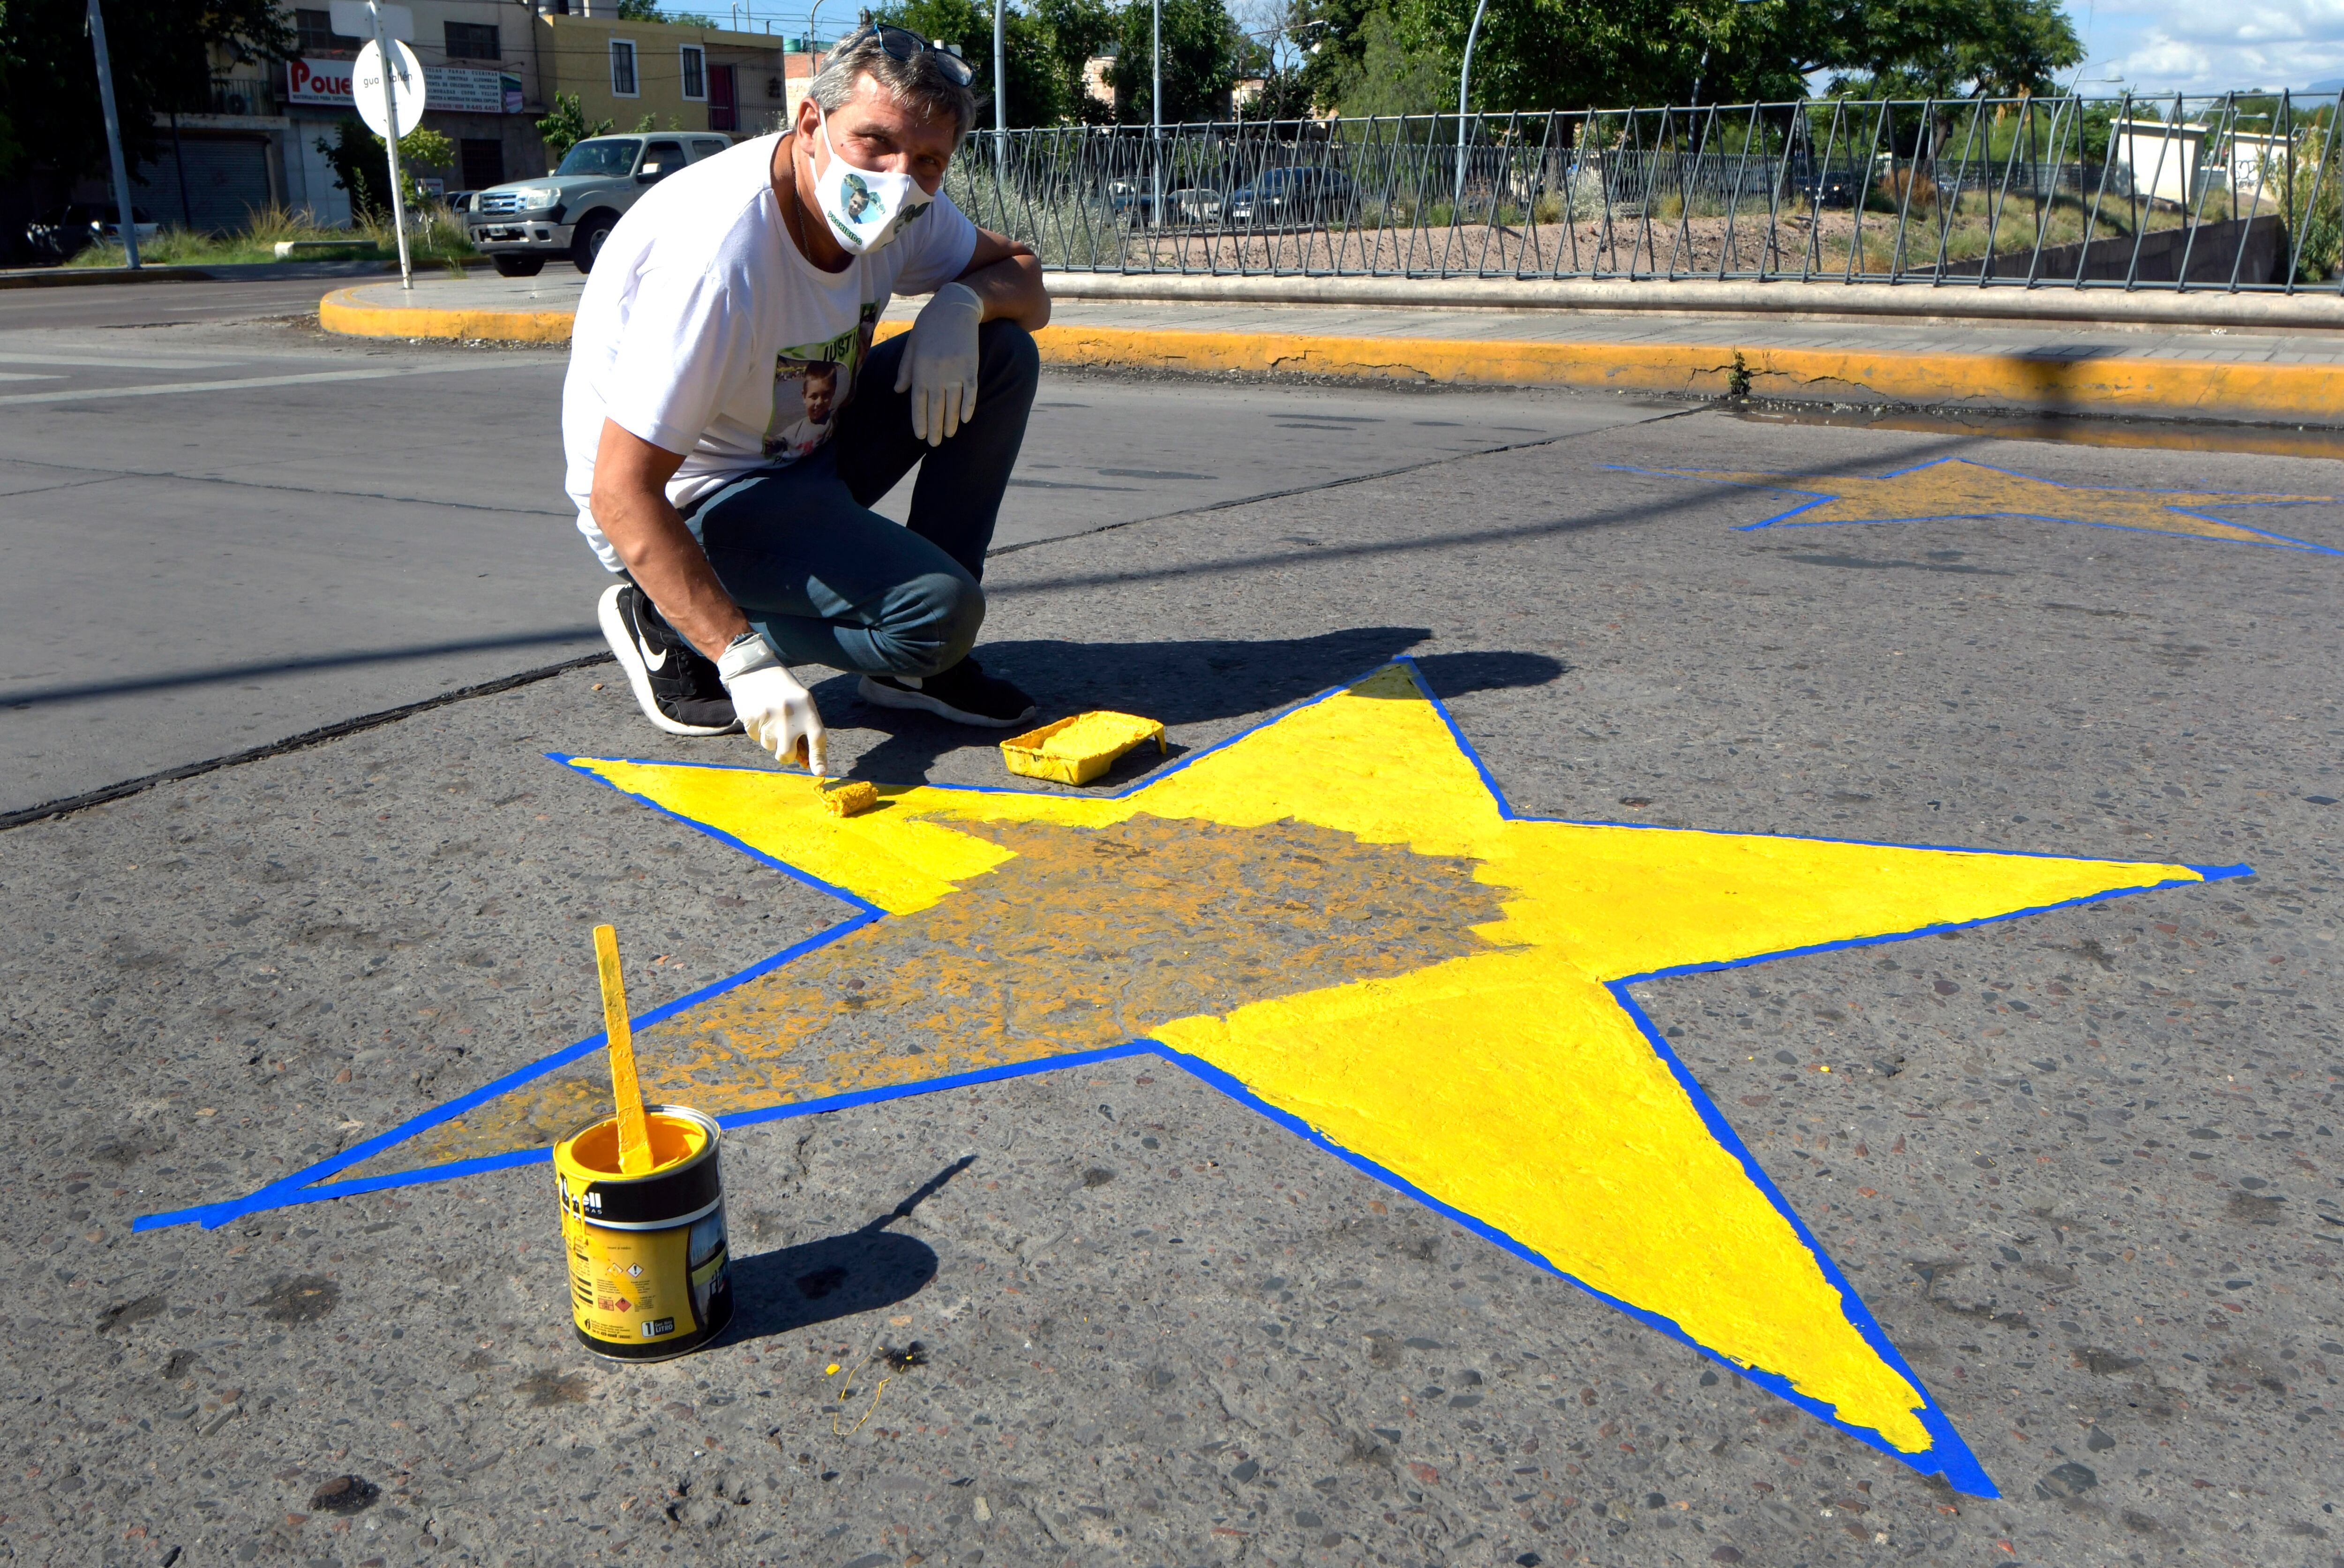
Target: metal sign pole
390,62
113,136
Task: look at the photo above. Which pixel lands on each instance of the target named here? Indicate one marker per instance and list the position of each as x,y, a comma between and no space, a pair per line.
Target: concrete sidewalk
2283,376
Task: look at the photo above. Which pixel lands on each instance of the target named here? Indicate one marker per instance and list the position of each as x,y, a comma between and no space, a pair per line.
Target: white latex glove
778,713
940,362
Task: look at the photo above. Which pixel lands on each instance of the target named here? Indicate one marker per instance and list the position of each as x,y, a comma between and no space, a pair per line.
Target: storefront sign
313,81
466,92
321,81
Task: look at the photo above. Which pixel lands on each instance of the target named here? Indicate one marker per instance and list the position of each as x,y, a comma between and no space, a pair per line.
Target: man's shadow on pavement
837,1276
1178,683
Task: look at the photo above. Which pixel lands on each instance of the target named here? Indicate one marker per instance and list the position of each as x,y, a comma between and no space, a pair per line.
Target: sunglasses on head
902,44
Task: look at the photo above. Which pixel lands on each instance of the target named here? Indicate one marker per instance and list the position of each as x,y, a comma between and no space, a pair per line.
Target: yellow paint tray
1077,750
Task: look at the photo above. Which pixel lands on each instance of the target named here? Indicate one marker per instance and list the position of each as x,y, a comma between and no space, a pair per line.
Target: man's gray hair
919,82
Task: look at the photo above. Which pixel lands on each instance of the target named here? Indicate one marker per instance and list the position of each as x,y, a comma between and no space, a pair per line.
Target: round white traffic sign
405,86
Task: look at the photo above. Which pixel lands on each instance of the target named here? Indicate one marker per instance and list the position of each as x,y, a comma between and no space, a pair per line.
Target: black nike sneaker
674,682
964,693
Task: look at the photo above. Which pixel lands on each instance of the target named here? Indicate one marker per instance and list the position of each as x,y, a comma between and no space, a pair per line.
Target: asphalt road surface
2081,1165
228,529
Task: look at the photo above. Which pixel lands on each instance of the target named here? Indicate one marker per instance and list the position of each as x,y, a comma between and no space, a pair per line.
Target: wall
505,113
574,52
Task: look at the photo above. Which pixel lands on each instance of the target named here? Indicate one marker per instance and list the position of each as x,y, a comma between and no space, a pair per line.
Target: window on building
484,162
474,41
622,69
695,72
315,30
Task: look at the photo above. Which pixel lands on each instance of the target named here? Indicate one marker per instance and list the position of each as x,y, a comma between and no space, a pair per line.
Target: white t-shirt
705,330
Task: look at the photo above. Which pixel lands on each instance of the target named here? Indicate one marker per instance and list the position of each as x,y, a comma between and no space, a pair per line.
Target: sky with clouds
2201,46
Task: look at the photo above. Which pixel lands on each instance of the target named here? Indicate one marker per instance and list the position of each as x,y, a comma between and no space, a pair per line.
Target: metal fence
2234,193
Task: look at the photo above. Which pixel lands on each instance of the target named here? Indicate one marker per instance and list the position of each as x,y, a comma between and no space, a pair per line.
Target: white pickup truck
571,211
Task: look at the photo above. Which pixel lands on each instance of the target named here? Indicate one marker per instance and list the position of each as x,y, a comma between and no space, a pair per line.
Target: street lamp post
1000,99
1464,84
1155,113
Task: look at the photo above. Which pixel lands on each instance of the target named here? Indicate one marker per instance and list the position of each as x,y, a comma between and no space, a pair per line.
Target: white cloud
2191,46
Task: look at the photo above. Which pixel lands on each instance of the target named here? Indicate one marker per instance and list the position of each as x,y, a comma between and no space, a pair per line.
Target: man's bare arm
1007,278
631,506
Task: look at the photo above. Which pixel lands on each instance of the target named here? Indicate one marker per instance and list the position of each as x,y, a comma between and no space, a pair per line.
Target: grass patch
433,235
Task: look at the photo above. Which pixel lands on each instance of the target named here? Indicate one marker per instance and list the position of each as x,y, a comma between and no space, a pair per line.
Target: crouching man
729,422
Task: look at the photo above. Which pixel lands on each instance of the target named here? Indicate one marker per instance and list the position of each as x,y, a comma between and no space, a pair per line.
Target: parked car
458,202
1284,196
572,211
1135,198
1193,204
67,232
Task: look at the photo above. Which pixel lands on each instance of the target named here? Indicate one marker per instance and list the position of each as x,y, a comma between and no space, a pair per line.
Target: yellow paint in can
650,1273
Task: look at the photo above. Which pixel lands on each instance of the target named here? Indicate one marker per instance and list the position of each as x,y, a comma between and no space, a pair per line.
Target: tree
359,167
565,125
1385,76
1536,54
1936,49
1201,50
419,148
161,53
1043,91
1074,32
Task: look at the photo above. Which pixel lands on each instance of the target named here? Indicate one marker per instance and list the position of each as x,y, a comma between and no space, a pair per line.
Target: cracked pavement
2082,1166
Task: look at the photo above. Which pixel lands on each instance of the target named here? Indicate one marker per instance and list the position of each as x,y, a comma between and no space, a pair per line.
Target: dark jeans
827,580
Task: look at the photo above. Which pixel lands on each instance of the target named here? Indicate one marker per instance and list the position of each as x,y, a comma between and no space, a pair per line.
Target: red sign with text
310,81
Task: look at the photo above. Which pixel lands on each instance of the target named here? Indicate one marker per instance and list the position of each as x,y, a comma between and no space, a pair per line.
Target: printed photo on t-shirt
810,383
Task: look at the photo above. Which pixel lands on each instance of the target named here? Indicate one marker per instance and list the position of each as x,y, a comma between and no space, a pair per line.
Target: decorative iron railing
238,96
2238,192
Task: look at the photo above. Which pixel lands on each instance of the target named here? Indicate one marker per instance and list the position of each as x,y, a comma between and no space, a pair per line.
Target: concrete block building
493,68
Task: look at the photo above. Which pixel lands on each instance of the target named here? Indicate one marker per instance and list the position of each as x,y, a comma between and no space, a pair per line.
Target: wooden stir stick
634,1128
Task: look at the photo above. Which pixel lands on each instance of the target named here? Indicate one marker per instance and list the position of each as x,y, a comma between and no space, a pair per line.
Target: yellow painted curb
342,312
2167,386
2294,392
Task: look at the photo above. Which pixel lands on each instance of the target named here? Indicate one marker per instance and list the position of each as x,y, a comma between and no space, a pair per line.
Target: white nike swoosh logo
654,662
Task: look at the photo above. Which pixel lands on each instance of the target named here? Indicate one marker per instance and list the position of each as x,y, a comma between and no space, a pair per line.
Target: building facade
493,68
677,78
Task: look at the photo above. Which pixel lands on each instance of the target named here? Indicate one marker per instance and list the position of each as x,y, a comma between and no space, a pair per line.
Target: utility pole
390,64
1000,100
1464,81
113,136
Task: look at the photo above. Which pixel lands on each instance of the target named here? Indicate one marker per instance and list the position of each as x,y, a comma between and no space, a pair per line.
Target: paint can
649,1275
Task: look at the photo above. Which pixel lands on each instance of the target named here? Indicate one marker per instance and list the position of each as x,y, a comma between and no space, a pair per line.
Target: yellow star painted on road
1959,487
1337,920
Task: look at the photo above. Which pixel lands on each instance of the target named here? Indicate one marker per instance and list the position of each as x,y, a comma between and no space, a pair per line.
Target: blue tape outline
2263,539
1947,1454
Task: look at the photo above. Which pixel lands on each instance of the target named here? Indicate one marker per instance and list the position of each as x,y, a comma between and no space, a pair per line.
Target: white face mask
866,207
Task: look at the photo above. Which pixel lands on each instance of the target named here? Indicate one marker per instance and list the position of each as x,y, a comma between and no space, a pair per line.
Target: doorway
723,101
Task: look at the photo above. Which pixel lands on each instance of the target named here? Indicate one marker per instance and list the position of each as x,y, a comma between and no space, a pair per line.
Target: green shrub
2315,217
